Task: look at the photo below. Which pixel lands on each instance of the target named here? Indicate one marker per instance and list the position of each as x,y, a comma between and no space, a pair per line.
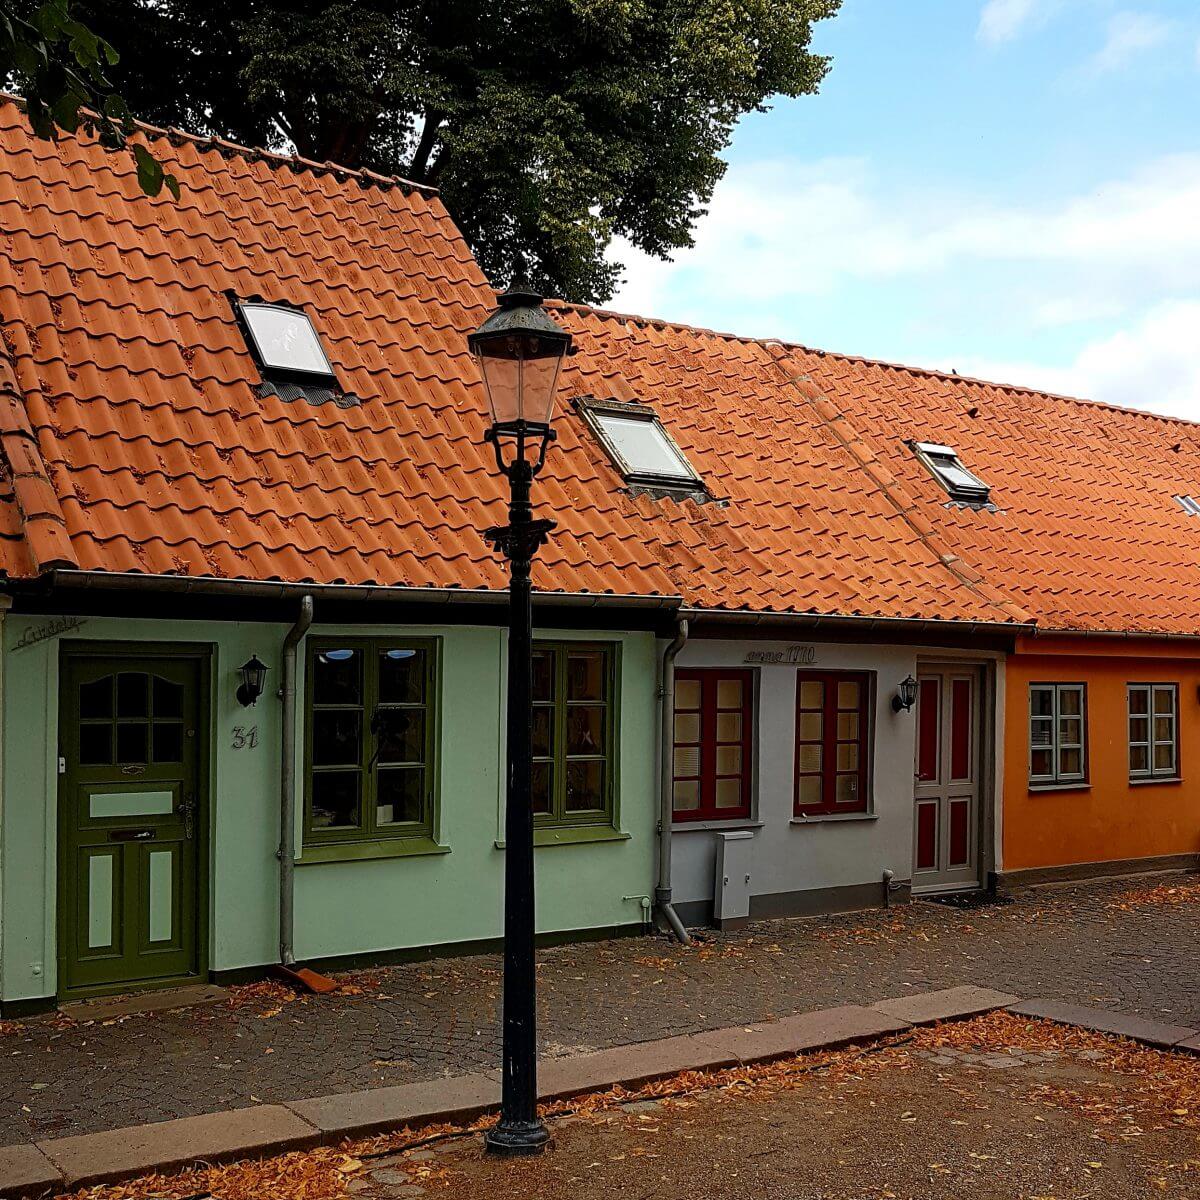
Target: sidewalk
1128,946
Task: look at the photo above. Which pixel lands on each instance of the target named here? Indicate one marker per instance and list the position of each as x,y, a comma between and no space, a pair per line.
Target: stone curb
40,1169
1101,1020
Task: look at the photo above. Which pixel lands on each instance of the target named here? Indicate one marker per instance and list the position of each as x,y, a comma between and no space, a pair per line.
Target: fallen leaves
1187,892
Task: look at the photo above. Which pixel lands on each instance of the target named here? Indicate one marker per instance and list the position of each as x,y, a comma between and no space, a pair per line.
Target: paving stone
26,1171
949,1004
353,1113
166,1145
1152,1033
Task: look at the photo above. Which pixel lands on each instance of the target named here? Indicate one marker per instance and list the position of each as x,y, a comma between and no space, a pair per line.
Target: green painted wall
341,907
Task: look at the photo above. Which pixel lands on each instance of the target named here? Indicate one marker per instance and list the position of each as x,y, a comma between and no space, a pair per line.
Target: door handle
132,835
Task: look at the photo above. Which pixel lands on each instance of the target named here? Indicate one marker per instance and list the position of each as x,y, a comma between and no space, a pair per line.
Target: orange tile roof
135,439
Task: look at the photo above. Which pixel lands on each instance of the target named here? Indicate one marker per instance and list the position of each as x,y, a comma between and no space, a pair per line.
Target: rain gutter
838,621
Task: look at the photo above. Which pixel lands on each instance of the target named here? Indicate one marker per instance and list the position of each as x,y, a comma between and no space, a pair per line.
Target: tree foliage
59,65
550,126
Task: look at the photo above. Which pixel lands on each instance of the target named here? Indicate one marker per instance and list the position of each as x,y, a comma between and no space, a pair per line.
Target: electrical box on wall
731,892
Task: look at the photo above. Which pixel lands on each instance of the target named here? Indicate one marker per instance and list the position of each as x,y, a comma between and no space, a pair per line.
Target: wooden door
130,822
947,780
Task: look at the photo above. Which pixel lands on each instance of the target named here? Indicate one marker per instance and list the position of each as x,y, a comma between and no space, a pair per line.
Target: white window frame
1056,745
931,454
594,412
1150,742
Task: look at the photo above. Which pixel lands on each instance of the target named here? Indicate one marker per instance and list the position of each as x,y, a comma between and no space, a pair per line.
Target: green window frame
574,733
371,721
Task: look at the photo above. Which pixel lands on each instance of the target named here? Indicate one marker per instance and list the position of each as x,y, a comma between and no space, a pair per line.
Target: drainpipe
5,605
662,893
287,805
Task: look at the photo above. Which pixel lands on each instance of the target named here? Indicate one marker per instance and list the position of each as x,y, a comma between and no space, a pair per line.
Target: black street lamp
519,350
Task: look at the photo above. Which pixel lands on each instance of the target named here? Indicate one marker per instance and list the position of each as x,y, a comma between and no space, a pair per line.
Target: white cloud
1154,364
1003,20
1127,35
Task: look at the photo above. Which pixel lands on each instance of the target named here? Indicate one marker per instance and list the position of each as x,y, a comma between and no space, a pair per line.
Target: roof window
284,342
946,467
641,449
1189,505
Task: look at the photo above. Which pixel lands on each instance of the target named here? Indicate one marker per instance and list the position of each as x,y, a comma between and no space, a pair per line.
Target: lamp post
519,350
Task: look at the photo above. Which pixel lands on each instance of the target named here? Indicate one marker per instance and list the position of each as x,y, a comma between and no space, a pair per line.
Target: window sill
828,818
573,835
728,823
1059,787
1144,780
409,847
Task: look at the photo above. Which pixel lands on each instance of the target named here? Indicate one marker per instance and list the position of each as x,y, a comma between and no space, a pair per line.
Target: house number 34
245,737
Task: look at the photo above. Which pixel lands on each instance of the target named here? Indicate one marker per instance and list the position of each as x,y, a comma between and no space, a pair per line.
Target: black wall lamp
906,695
254,678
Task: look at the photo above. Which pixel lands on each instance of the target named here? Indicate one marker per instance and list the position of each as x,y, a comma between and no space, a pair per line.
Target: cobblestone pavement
1132,946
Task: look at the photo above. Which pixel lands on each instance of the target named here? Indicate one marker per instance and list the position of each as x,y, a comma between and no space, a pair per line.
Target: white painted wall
793,855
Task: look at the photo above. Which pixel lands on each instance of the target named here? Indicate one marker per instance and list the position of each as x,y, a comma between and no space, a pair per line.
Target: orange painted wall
1111,819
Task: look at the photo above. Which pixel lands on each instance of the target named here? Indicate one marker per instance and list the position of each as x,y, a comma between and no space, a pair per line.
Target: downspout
5,605
662,893
287,774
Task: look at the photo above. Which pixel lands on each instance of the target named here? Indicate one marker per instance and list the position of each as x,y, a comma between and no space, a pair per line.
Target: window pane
729,760
846,789
285,339
336,738
168,698
1164,729
1041,765
729,793
335,799
543,675
133,695
1070,731
810,791
847,757
1164,757
1070,700
1139,758
400,735
811,727
133,743
812,694
687,763
96,699
847,695
1070,762
168,742
337,677
847,727
729,693
687,693
399,795
1164,700
729,727
810,759
1139,729
543,731
687,795
585,730
585,786
401,676
1041,702
543,786
585,675
95,744
643,446
1138,700
687,727
1041,730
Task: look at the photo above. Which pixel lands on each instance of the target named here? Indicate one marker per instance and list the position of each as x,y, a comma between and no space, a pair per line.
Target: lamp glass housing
254,680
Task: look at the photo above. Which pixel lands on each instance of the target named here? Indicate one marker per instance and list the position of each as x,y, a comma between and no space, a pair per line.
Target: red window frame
830,741
709,678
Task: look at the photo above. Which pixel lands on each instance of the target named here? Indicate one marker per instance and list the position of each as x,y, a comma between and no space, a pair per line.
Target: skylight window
641,449
284,342
946,467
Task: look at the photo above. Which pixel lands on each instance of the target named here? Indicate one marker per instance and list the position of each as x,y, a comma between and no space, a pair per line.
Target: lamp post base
517,1138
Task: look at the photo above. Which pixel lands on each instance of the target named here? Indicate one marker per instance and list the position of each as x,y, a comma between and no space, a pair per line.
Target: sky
1006,188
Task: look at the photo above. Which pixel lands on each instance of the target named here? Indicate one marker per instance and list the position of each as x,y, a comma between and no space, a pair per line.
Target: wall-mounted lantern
254,678
906,695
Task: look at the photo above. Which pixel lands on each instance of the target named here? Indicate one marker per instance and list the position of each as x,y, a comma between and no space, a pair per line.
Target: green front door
130,821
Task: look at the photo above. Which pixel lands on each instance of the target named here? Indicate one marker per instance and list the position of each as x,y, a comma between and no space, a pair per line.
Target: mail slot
132,835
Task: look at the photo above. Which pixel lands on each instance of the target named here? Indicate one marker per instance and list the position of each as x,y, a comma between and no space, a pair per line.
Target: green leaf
149,170
172,185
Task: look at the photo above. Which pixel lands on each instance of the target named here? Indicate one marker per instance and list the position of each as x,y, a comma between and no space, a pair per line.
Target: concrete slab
169,1145
1191,1044
458,1097
26,1171
108,1007
949,1004
1152,1033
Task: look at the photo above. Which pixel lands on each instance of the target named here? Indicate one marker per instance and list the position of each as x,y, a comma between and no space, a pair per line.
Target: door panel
947,779
130,817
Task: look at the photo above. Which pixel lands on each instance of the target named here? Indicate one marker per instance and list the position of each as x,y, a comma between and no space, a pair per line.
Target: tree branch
419,167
